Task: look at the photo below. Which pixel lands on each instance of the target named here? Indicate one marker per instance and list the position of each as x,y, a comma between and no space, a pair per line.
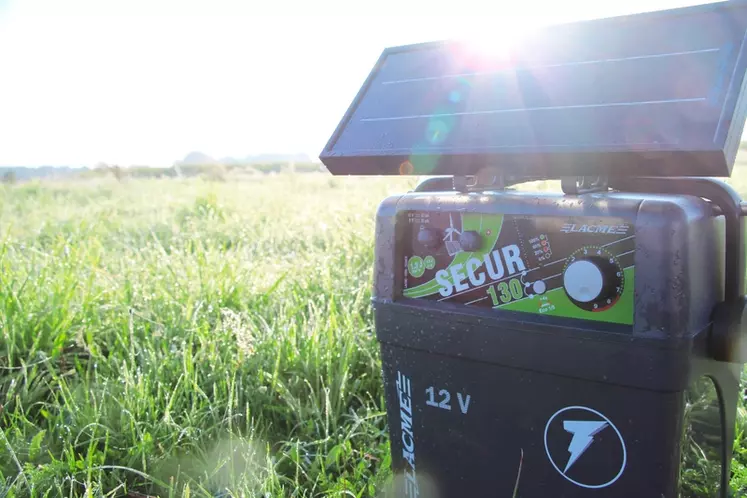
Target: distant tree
117,172
215,173
9,178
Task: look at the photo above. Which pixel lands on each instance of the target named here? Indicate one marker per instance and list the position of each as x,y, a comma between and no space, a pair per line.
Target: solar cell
657,94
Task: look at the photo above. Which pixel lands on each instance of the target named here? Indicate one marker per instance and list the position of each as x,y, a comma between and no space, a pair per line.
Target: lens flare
406,168
437,131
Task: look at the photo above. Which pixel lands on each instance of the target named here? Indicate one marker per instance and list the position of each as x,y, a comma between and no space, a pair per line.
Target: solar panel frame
554,161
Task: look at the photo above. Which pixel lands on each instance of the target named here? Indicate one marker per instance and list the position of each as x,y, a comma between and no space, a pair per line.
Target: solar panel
657,94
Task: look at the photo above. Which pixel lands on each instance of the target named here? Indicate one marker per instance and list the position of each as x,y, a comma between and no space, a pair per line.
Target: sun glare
499,43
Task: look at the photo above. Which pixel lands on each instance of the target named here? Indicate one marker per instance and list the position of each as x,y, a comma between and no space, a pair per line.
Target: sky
144,82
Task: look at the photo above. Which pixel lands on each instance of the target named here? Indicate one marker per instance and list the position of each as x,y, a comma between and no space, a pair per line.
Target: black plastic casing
521,369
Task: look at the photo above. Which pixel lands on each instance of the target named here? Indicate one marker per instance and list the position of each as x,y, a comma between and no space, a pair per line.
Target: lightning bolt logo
583,435
584,425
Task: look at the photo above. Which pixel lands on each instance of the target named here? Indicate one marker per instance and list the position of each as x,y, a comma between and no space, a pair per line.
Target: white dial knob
583,281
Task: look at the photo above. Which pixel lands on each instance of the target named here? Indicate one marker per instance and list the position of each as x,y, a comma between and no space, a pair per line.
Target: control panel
576,267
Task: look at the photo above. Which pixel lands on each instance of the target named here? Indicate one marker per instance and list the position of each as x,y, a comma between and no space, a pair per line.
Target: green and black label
578,267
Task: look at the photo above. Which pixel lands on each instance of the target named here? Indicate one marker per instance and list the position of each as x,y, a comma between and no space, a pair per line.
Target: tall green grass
172,338
185,338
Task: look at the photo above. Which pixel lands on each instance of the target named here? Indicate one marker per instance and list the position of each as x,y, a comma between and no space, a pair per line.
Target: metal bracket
436,184
575,185
465,183
485,179
461,183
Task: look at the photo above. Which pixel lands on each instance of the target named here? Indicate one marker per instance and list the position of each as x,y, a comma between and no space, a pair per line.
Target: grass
189,338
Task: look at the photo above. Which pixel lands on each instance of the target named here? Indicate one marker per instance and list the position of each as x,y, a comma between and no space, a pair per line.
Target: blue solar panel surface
652,89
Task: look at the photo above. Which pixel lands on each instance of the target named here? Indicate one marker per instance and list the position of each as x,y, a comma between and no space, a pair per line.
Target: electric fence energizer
582,343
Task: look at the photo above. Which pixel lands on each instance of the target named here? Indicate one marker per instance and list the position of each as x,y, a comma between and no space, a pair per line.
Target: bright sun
497,43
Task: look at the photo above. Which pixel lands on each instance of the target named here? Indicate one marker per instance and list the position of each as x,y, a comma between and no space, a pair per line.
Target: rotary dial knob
470,241
429,237
593,279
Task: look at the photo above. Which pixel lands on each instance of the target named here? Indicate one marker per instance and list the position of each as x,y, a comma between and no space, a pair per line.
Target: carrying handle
720,194
728,316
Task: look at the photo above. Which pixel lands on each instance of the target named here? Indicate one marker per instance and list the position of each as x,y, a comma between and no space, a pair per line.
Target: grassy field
189,338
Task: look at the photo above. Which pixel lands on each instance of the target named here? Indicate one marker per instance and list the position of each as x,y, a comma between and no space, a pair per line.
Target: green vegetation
182,337
210,172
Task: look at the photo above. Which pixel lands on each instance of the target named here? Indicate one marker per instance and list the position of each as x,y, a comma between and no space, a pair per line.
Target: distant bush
209,172
270,168
9,178
146,172
216,174
309,167
286,167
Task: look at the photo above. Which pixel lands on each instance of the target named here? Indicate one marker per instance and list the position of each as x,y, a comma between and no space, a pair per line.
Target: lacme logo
603,229
404,392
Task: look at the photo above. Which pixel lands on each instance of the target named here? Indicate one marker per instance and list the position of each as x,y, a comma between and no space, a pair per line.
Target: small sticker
585,447
416,266
430,262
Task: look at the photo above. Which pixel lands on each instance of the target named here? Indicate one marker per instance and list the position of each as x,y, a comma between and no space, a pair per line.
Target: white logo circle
588,435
